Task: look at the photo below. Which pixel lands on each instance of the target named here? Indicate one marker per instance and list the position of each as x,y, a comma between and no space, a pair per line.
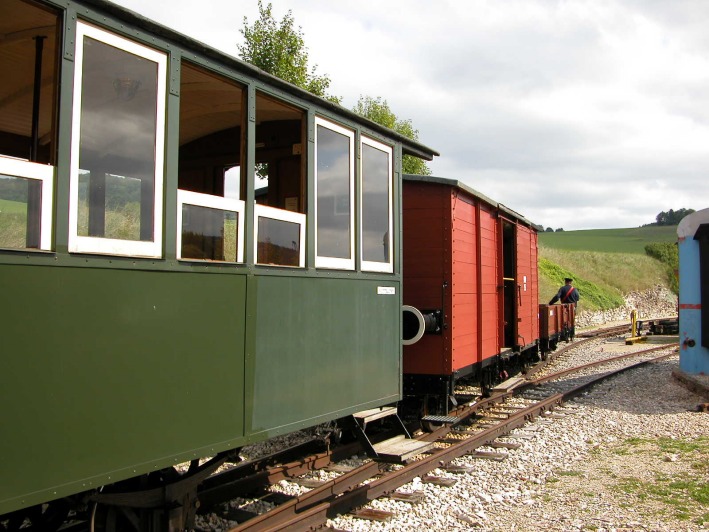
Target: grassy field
604,263
13,224
12,207
632,240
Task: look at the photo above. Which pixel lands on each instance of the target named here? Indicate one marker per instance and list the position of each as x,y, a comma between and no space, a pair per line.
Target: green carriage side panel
112,373
322,348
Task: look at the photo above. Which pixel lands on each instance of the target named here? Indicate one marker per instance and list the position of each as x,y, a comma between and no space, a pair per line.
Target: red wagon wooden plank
474,262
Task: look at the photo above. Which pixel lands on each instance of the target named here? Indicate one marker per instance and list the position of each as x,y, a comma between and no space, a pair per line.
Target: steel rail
600,333
250,476
563,373
603,331
603,376
347,491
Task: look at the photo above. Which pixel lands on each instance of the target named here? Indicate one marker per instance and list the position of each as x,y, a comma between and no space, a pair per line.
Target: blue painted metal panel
694,359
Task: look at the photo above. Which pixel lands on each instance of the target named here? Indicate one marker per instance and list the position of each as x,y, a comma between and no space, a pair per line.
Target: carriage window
117,146
210,210
28,97
25,204
281,235
334,178
208,227
280,186
376,207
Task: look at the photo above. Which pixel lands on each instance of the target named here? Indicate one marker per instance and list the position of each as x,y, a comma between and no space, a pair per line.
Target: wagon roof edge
475,193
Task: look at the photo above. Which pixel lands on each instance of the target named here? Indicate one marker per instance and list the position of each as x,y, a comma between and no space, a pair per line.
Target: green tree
279,49
378,110
672,217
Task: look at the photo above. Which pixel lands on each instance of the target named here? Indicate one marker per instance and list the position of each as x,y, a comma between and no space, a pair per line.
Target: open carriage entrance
509,284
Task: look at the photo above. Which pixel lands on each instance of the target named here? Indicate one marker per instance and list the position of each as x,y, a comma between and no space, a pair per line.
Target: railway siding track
480,424
581,339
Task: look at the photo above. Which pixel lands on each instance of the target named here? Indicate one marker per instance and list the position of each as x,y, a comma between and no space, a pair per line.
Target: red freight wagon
556,323
470,287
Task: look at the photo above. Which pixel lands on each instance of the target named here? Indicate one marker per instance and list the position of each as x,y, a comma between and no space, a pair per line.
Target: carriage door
508,263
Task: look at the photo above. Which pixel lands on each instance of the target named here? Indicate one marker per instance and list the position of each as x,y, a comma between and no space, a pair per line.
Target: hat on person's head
568,280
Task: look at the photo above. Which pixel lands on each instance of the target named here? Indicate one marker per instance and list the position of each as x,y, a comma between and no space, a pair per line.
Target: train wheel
489,377
111,518
430,426
106,518
162,500
430,407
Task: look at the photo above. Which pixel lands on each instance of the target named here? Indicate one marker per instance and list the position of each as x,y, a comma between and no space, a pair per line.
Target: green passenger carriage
194,255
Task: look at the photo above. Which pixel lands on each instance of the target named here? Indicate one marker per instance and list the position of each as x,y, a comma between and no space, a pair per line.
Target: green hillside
631,240
604,263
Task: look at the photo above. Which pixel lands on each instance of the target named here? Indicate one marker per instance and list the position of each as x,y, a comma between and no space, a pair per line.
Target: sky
578,114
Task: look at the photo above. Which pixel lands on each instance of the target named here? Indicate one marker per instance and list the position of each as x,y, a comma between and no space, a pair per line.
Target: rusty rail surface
565,372
589,336
346,492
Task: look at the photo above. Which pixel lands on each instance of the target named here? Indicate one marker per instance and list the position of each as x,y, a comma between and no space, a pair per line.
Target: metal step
446,420
399,449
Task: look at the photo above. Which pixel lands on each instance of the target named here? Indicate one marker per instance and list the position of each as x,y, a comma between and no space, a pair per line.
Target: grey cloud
577,114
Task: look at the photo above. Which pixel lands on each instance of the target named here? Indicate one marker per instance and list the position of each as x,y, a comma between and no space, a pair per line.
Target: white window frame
44,173
334,262
211,202
372,266
109,246
264,211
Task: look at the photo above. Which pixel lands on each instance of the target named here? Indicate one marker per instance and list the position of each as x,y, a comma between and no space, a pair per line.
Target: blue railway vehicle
693,242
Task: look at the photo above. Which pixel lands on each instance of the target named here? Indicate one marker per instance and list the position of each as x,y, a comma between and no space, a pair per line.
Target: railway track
588,337
478,423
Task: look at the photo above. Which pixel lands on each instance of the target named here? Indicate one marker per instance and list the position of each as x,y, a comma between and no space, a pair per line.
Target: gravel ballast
632,454
620,460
